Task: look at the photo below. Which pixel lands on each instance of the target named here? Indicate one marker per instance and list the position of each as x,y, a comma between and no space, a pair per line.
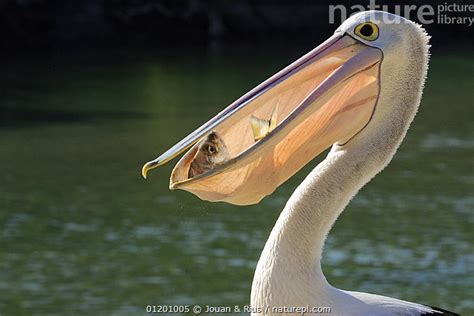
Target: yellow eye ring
367,30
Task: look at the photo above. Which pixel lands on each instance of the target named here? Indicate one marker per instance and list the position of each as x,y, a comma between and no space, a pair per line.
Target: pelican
358,93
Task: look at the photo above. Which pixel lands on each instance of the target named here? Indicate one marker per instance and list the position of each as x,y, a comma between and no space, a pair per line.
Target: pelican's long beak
325,97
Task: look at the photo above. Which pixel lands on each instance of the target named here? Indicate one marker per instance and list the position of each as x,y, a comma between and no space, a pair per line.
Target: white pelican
357,92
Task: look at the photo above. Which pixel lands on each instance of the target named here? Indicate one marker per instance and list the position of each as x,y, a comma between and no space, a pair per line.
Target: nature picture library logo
445,13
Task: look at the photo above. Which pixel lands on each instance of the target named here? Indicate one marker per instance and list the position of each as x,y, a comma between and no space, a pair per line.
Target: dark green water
83,233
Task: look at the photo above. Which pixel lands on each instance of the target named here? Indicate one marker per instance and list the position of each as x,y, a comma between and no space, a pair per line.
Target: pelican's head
389,32
403,42
403,68
338,94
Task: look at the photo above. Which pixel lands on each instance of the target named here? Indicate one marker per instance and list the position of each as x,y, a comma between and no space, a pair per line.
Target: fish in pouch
211,152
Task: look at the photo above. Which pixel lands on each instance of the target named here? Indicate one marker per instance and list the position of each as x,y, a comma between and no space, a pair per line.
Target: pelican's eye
367,30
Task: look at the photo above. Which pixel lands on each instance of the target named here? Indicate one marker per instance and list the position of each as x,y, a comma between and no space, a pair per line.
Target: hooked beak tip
146,167
144,171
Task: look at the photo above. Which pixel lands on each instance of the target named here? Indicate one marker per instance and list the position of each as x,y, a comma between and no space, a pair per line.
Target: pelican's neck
299,234
289,269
